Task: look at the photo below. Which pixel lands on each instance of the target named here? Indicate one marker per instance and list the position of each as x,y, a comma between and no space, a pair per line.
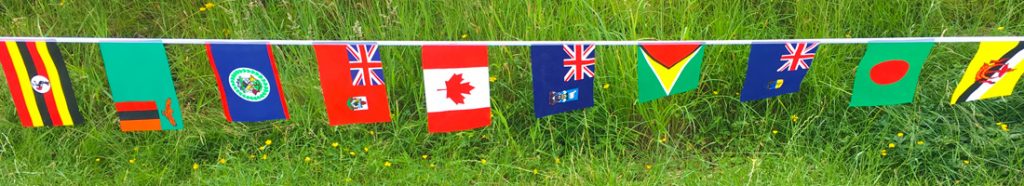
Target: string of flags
456,76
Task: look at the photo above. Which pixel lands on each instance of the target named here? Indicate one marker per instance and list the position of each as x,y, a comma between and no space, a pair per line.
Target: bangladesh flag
887,75
666,69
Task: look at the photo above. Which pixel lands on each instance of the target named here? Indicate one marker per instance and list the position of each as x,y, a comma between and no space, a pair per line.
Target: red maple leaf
456,88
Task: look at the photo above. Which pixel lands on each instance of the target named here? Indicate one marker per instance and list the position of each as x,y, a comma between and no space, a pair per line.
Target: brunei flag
666,69
39,84
992,73
140,82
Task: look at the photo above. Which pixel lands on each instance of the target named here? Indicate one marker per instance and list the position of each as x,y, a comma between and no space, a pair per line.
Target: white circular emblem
249,84
40,84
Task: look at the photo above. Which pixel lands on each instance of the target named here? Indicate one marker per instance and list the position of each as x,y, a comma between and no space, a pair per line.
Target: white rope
513,43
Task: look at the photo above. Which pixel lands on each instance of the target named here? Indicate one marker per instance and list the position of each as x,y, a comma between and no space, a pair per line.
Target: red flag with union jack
352,78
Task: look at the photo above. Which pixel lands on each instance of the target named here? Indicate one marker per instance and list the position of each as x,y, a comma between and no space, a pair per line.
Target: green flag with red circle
887,75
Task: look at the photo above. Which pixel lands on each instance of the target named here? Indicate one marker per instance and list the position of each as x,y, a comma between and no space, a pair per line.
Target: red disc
889,72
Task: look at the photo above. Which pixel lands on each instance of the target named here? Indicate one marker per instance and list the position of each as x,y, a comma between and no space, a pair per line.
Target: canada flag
457,91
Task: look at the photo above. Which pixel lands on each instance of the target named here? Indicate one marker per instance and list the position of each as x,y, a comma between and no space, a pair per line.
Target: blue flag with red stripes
563,77
250,89
776,69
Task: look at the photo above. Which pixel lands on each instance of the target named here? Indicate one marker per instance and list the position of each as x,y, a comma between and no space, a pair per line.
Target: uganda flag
666,69
141,86
888,73
992,73
39,84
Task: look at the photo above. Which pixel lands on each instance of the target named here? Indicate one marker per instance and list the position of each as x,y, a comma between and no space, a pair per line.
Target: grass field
701,137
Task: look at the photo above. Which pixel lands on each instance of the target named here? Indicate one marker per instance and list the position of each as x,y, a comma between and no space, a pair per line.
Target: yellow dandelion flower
268,142
794,117
335,144
920,142
373,133
605,86
848,35
967,162
222,161
352,153
136,149
433,166
775,131
464,36
202,9
535,171
885,152
348,179
195,166
308,159
264,157
97,160
493,79
209,5
387,164
425,156
558,160
483,161
252,156
714,92
1004,127
648,166
263,148
131,161
1000,28
899,134
61,2
663,139
892,145
366,149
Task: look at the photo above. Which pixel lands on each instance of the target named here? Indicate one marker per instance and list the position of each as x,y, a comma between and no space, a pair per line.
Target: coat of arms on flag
776,69
140,81
666,69
563,77
992,73
455,79
352,77
39,84
250,89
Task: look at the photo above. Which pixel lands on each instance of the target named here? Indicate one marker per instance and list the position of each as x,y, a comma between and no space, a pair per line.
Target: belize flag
776,69
563,77
455,79
250,88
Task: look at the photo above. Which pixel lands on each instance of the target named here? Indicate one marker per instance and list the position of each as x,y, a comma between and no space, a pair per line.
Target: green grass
709,136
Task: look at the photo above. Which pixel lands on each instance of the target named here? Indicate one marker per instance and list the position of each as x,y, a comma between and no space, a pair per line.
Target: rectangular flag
250,88
667,69
352,78
457,89
563,77
40,87
887,75
992,73
776,69
140,82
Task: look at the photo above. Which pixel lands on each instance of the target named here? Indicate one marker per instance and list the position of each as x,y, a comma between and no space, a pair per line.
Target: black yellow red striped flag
39,84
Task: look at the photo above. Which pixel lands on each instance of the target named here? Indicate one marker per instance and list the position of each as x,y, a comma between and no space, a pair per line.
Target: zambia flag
887,75
992,73
140,82
39,84
666,69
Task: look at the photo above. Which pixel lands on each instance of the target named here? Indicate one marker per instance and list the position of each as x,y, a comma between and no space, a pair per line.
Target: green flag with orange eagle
140,82
666,69
887,75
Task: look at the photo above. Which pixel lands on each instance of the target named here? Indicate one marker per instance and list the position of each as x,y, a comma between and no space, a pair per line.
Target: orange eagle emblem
991,71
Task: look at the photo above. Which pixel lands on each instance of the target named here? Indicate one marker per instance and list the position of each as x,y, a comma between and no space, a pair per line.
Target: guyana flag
992,73
887,75
140,82
39,84
666,69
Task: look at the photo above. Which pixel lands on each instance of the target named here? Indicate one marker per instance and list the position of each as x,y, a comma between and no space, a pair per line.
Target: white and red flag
457,89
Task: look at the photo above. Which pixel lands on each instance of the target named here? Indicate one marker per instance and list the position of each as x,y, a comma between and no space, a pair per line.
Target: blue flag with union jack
776,69
563,77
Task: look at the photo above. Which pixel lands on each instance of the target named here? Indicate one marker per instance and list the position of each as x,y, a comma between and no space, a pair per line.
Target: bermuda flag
457,91
776,69
563,77
250,89
352,77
